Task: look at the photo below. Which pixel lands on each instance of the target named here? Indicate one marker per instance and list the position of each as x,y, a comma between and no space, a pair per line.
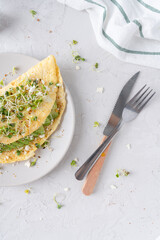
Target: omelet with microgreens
27,101
25,147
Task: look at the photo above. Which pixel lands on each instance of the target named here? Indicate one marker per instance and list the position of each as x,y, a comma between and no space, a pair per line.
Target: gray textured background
132,210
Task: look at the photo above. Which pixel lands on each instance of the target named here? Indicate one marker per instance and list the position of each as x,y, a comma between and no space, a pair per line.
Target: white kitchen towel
129,29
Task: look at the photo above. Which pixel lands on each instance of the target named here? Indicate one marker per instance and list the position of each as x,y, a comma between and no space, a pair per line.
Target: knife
112,123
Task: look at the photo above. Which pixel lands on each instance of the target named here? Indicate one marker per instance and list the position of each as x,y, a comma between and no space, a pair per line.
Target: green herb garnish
43,88
35,118
122,172
96,65
33,13
74,163
74,42
96,124
50,83
45,144
8,130
2,83
78,58
4,111
21,108
7,93
37,145
3,119
20,115
14,70
12,124
59,206
27,191
117,175
33,163
18,152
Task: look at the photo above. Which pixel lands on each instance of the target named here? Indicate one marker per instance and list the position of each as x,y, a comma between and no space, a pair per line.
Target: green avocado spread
40,131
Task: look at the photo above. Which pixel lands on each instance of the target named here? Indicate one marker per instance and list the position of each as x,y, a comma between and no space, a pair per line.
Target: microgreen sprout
37,145
8,130
76,57
96,124
21,108
20,115
35,118
74,42
117,175
96,65
27,191
14,70
59,206
6,93
33,13
2,83
18,152
33,163
45,144
74,162
122,172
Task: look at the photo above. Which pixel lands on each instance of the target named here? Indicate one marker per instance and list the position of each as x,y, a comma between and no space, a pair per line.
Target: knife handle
93,174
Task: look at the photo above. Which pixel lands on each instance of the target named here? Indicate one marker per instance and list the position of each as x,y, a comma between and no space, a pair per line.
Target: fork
130,112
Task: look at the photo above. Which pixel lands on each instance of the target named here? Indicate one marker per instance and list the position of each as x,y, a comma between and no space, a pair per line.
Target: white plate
18,173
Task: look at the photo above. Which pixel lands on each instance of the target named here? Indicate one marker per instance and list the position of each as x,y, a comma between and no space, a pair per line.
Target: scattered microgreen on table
14,70
96,124
33,12
73,163
96,65
59,206
27,191
79,58
74,42
76,57
122,172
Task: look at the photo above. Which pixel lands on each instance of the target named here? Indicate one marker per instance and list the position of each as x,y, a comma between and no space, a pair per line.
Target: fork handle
83,170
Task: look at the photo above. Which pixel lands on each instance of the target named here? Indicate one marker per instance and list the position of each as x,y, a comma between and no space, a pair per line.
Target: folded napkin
130,30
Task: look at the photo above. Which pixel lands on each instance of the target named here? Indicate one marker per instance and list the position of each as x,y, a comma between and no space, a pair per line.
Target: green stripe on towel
140,27
127,50
149,7
121,10
127,18
115,44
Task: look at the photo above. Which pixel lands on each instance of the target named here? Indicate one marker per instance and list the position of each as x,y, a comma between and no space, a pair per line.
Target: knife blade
120,104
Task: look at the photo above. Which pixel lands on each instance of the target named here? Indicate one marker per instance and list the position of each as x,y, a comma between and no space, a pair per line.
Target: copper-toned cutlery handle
93,174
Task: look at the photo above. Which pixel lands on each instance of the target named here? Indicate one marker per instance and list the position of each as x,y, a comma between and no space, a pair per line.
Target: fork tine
134,98
139,103
141,107
142,95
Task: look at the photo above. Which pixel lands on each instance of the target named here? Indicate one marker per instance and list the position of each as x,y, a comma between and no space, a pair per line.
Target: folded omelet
26,101
45,118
